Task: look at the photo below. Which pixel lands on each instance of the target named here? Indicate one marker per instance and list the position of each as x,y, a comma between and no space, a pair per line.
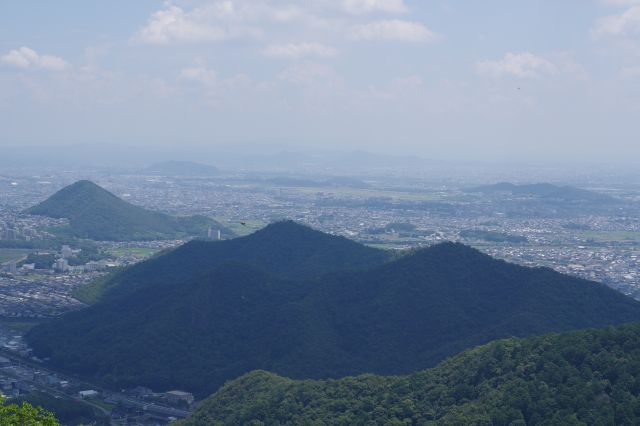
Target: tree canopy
25,414
588,377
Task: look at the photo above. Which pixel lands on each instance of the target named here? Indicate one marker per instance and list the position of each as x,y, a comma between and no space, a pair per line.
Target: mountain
182,168
97,214
309,305
545,191
285,249
588,377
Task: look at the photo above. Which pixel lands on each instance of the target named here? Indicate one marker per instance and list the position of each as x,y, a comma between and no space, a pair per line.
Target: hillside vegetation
97,214
305,304
589,377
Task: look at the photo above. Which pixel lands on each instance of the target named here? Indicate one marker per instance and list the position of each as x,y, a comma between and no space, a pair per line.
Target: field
239,229
611,236
134,251
7,255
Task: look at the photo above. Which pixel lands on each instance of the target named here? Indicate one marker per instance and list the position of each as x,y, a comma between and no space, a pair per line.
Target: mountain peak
319,306
95,213
288,227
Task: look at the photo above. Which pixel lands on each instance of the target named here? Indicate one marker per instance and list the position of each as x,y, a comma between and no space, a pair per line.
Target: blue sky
438,78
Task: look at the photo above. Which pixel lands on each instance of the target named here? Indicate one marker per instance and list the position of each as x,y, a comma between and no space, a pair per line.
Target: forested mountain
545,191
211,311
97,214
588,377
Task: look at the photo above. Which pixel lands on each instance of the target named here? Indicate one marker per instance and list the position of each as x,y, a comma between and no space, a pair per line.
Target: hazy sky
438,78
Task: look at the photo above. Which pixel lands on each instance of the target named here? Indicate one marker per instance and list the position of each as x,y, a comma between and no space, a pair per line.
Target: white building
88,394
61,265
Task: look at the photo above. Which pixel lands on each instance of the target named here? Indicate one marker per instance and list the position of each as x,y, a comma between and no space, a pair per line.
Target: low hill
97,214
208,312
587,377
182,168
545,191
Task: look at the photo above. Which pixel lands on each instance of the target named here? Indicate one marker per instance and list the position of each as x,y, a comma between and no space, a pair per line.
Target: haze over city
320,212
443,79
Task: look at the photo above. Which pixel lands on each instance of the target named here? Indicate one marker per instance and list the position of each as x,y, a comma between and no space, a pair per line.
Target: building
214,234
95,266
61,265
66,252
88,394
176,396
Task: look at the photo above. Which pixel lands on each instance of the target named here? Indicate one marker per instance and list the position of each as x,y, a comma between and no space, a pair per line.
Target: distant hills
97,214
545,191
586,377
182,168
310,305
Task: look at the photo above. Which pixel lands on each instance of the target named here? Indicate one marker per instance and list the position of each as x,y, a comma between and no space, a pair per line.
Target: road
108,396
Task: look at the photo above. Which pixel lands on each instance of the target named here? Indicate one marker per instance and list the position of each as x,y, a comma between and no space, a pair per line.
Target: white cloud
619,2
297,50
623,24
361,7
395,30
201,75
521,65
174,25
27,58
310,73
631,73
209,79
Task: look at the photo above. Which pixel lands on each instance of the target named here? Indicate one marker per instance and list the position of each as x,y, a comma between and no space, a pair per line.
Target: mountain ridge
584,377
259,302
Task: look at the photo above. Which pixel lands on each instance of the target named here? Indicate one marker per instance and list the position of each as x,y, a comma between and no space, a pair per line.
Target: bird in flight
243,223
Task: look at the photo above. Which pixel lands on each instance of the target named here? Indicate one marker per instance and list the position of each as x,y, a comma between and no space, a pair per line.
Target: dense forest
277,300
97,214
588,377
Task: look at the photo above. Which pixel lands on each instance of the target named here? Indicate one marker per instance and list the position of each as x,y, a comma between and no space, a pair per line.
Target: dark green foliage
208,312
576,226
589,377
400,227
97,214
496,237
87,254
67,411
41,261
95,290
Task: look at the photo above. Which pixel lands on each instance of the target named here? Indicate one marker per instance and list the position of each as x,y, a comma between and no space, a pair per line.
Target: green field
17,325
7,255
239,229
134,251
619,236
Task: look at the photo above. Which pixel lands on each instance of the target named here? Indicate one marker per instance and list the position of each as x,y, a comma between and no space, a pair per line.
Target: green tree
25,415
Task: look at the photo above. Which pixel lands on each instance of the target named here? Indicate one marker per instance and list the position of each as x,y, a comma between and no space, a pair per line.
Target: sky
443,79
